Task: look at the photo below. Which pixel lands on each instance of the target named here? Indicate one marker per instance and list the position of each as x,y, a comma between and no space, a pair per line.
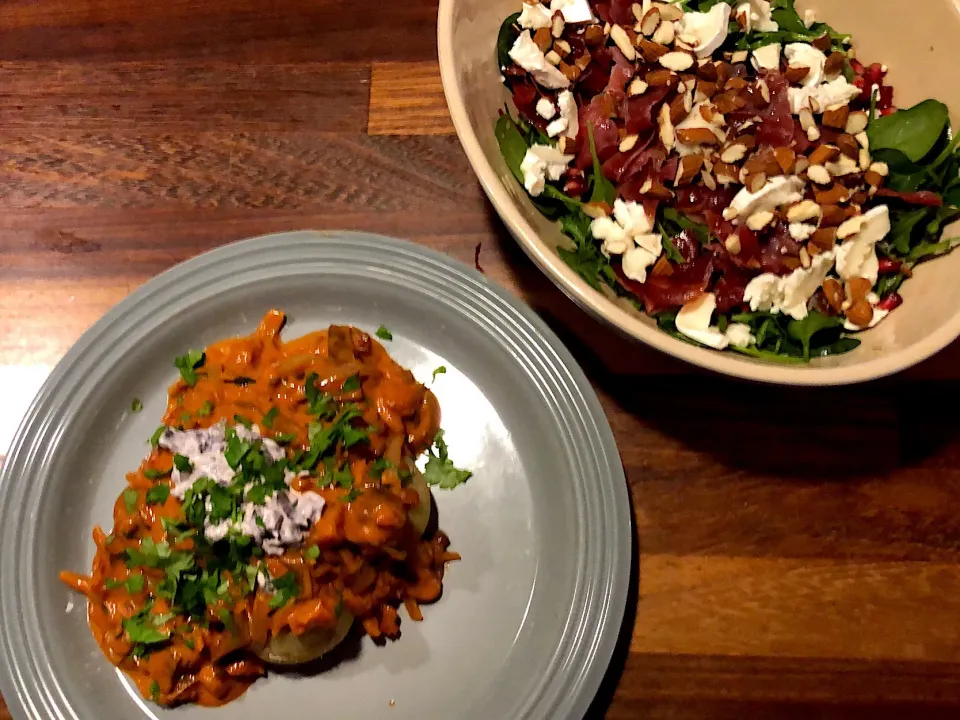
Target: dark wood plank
407,99
189,95
288,31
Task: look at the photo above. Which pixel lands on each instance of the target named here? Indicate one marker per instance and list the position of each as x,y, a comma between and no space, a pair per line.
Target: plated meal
280,503
730,168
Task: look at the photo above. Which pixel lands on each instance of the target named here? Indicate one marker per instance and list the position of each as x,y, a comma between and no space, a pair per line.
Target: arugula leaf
351,384
586,259
675,222
768,355
267,420
130,499
187,364
182,463
440,470
927,250
506,37
813,323
673,255
841,346
383,333
603,189
136,405
440,370
913,132
158,494
142,629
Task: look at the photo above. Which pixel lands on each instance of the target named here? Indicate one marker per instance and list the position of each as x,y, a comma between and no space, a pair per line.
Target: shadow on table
844,433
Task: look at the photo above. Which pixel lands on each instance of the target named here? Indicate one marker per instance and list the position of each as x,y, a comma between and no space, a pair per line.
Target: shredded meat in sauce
363,556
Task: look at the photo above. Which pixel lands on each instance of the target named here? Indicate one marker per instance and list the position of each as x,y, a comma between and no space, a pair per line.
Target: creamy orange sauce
362,556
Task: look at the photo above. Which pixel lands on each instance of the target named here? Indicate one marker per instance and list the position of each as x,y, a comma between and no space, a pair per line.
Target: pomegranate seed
890,302
885,101
889,267
857,66
575,187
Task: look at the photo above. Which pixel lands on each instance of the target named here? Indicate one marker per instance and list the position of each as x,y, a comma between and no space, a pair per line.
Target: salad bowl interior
919,56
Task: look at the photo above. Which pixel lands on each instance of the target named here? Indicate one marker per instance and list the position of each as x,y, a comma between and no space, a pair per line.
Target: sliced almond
708,180
562,47
831,217
804,258
880,168
688,169
786,158
553,57
735,83
594,36
848,146
707,70
597,209
678,109
664,34
756,182
824,154
557,26
651,51
864,160
824,238
856,122
833,195
622,40
802,211
740,56
764,90
813,134
796,73
659,191
801,165
677,61
864,141
849,228
734,153
650,22
628,143
858,288
732,244
806,119
697,136
667,135
659,78
637,10
706,88
819,174
571,72
837,118
724,173
835,63
566,145
662,267
637,87
758,221
669,12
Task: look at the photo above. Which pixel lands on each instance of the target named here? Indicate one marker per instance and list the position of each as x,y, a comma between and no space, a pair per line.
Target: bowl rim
605,309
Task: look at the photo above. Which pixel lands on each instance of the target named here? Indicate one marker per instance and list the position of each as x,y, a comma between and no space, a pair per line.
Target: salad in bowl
732,169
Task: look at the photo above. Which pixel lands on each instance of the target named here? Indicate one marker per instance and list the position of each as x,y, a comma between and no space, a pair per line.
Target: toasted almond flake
864,159
542,39
813,134
628,143
677,61
819,174
874,180
558,25
764,90
856,123
651,50
734,153
837,118
815,105
758,221
566,144
637,87
803,210
880,168
732,243
670,13
647,185
650,22
606,28
596,209
802,164
697,136
688,169
740,56
667,136
622,41
707,178
850,227
806,119
804,258
553,58
756,182
824,154
637,10
863,140
562,47
665,34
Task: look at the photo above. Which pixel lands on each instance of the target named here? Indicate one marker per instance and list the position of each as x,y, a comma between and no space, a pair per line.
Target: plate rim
609,606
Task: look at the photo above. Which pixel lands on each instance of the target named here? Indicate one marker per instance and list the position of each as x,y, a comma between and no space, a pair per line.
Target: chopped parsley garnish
323,438
182,463
188,364
351,384
134,583
206,409
189,643
243,420
154,474
318,402
157,434
284,438
439,371
312,552
149,554
155,688
285,589
141,629
130,499
383,333
270,417
440,470
135,405
352,495
158,494
378,466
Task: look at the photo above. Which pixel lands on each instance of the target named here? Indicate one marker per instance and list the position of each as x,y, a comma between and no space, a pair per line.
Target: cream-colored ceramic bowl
919,46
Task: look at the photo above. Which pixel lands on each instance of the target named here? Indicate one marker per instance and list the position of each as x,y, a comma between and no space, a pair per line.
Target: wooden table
799,551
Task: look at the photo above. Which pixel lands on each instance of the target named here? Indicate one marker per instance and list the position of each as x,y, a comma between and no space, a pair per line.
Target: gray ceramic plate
528,620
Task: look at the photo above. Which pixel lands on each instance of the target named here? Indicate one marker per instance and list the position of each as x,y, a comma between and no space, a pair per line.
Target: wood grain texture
799,550
407,99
